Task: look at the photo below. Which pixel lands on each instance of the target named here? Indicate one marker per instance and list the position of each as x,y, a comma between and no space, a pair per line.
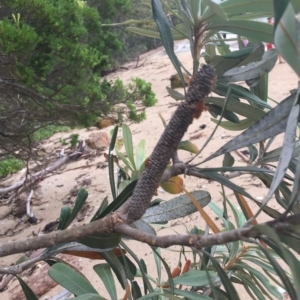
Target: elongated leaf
272,124
65,213
252,70
122,198
117,267
212,225
111,162
255,30
144,32
287,151
226,182
244,124
228,160
105,274
285,37
166,35
80,200
190,295
127,136
129,267
223,63
194,278
240,108
238,6
212,11
29,294
89,296
143,226
226,114
101,208
135,291
140,154
188,146
102,241
279,271
174,94
70,279
175,208
228,286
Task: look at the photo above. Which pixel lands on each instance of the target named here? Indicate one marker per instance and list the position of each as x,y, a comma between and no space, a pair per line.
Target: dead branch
31,179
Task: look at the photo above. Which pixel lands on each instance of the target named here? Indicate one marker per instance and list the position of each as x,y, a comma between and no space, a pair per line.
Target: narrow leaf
29,294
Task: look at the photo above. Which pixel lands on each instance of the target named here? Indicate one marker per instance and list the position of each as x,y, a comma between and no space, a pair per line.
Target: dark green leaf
105,274
127,136
70,279
80,200
252,70
166,35
65,213
89,296
143,226
122,198
228,286
101,208
272,124
228,160
239,6
253,153
135,291
116,266
29,294
129,267
188,146
103,242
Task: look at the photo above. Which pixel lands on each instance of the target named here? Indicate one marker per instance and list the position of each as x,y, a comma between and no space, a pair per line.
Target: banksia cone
200,86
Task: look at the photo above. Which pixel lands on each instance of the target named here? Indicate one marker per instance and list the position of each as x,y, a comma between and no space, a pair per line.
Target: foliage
212,272
52,54
10,165
47,131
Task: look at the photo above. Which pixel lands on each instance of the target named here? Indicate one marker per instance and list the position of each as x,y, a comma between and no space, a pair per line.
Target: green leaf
254,30
174,94
228,286
273,123
89,296
157,263
65,213
190,295
166,35
29,294
212,11
136,291
122,198
224,63
143,226
279,271
285,37
244,124
240,108
216,110
129,267
70,279
102,241
226,182
116,266
287,151
80,200
175,208
228,160
113,138
188,146
253,153
140,154
194,278
127,136
101,208
144,32
252,70
105,274
240,6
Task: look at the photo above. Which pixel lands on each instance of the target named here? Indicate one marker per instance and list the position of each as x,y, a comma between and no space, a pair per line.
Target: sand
54,191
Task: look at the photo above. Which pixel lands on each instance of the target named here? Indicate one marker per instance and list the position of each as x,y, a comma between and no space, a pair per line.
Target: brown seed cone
200,86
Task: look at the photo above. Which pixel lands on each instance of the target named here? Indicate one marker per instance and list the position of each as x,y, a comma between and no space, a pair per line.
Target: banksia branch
200,86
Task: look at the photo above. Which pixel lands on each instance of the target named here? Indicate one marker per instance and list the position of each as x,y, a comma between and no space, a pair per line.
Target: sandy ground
55,190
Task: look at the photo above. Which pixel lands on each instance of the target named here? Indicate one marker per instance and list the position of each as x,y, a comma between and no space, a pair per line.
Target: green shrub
10,165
